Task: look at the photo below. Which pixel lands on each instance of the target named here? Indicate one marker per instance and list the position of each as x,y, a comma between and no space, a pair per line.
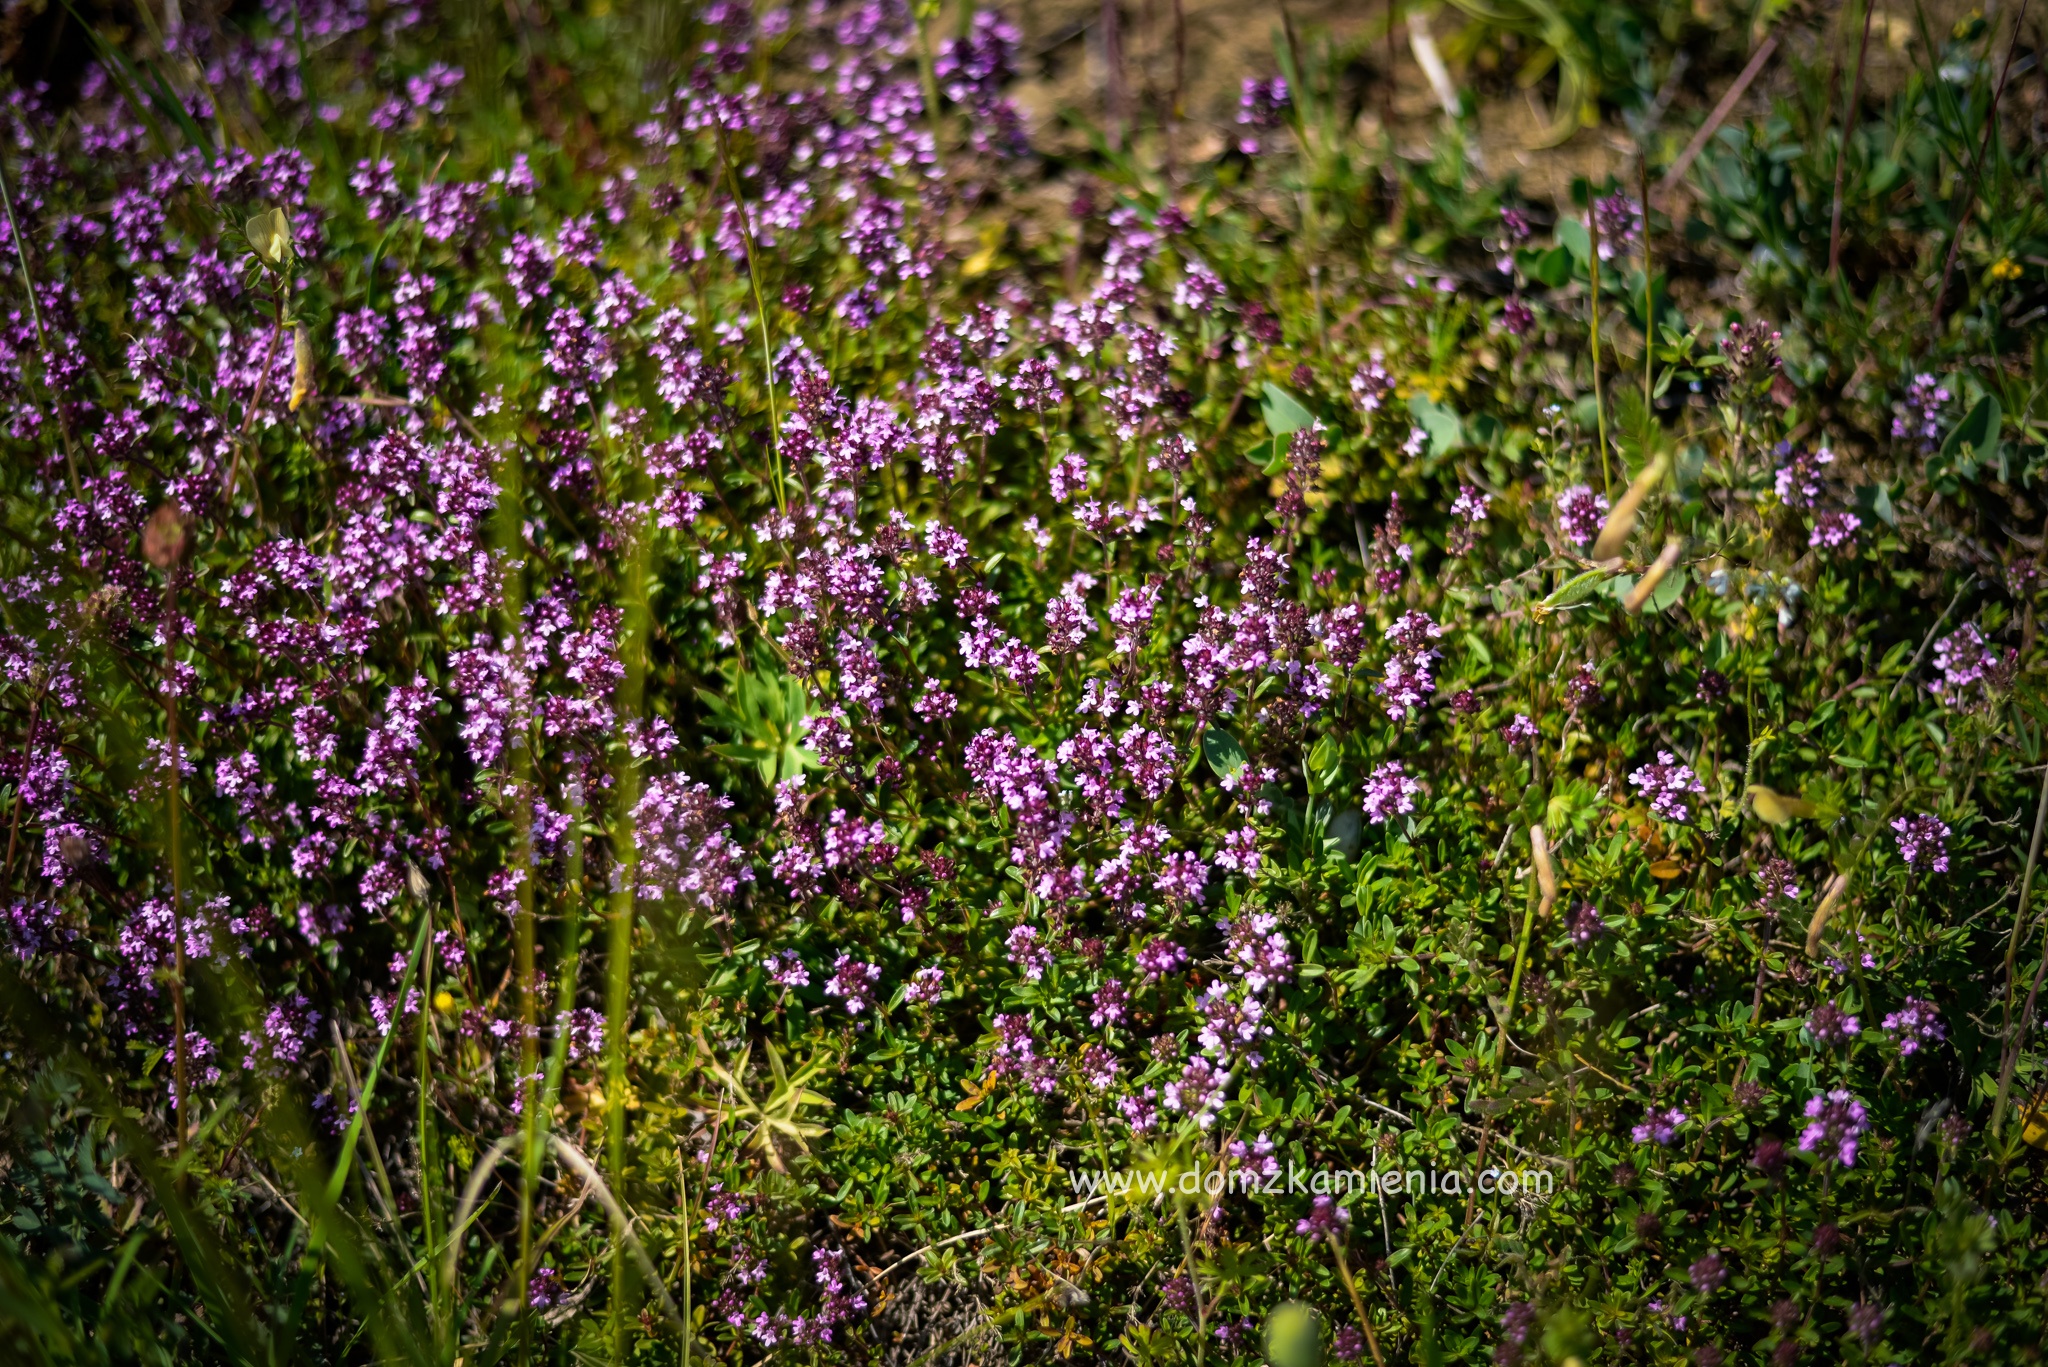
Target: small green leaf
1876,500
1223,752
1552,267
1978,431
1575,239
1283,412
1446,430
1669,591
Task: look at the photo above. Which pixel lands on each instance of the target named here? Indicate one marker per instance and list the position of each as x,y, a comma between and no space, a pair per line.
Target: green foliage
728,1031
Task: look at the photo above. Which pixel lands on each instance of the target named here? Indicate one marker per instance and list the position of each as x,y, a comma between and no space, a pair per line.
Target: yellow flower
2005,268
270,236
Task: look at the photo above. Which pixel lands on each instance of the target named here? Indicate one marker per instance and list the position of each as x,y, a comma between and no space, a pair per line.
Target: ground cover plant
645,716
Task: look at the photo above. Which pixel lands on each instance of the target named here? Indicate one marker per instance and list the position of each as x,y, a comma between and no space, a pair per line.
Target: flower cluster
1668,784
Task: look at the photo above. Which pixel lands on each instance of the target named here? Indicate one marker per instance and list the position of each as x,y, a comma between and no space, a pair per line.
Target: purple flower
1659,1127
1258,949
1866,1322
1919,415
1829,1025
1834,531
1016,1055
1923,842
1099,1067
853,982
1198,1091
1408,681
1965,661
1620,220
1112,1000
1517,1325
544,1291
1798,481
1229,1023
1389,792
1777,883
1325,1219
1584,924
1372,385
1468,511
1666,784
925,985
1837,1121
1159,958
936,706
1260,105
1580,514
1915,1023
1520,730
786,970
686,848
1139,1111
1024,950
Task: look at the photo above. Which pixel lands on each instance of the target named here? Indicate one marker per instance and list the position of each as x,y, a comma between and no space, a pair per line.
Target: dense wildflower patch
723,674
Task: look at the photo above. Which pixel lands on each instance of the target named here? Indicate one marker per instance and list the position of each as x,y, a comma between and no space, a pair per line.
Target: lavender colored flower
853,982
1835,531
1112,1001
1016,1055
1836,1122
1198,1091
1829,1025
1158,958
1408,681
1024,950
1468,512
1389,792
925,985
1919,416
1260,107
1667,783
1915,1023
1581,514
544,1291
686,848
1923,842
1708,1274
1520,730
1372,386
936,706
1659,1126
787,970
1965,661
1517,1328
1777,886
1866,1322
1257,948
1620,220
1099,1067
1584,924
1325,1219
